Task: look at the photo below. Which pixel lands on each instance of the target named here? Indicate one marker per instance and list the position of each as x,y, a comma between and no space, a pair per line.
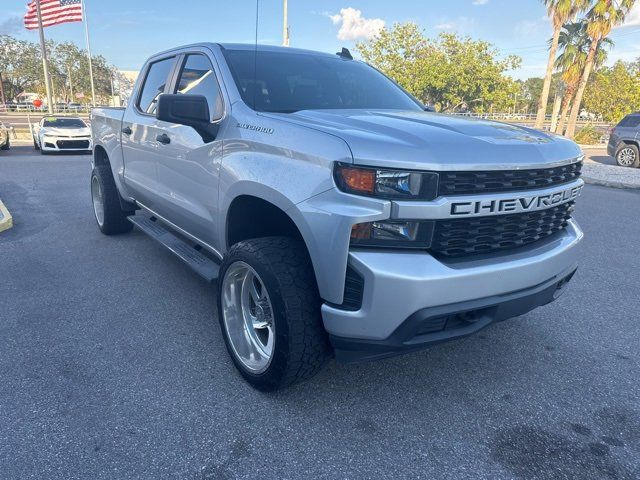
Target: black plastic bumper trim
434,325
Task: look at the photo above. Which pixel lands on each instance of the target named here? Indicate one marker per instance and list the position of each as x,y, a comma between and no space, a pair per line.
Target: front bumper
66,144
406,294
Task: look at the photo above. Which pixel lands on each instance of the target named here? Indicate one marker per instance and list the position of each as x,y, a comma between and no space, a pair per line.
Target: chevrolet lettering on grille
514,205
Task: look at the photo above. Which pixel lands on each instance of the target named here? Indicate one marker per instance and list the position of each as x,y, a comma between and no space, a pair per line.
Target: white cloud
445,26
354,26
480,2
628,54
633,17
527,28
462,25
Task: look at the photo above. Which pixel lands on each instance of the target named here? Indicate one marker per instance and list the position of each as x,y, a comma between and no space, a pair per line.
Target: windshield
288,82
64,123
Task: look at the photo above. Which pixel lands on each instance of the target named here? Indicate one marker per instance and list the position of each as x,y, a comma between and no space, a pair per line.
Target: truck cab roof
247,47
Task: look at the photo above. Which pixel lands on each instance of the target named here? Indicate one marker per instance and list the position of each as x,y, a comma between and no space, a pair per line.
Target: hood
425,140
66,132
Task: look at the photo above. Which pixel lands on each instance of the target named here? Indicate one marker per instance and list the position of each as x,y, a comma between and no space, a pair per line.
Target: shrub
588,136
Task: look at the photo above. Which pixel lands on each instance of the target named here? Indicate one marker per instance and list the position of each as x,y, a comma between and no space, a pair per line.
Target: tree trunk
577,102
546,86
566,103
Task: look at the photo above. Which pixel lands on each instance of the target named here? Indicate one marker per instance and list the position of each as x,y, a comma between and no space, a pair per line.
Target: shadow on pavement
603,159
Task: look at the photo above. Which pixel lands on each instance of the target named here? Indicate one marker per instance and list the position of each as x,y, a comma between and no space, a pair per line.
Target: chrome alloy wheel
626,157
248,317
98,202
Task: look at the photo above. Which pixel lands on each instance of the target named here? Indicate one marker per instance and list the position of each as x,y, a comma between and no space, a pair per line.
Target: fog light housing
392,234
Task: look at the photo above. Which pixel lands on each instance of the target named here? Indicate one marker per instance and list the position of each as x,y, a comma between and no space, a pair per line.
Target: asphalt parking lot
112,366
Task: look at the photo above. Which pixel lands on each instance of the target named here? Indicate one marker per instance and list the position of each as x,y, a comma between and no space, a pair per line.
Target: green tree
559,11
20,64
532,89
449,72
614,91
21,68
601,19
574,44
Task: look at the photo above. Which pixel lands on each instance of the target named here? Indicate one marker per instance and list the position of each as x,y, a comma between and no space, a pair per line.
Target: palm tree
560,12
601,19
574,42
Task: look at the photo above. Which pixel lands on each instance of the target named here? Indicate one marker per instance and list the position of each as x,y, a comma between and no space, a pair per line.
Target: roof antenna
345,53
255,58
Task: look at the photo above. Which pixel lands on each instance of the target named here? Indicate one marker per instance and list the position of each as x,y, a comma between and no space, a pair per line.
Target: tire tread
115,219
308,347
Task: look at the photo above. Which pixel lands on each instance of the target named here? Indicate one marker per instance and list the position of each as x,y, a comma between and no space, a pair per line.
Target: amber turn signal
358,179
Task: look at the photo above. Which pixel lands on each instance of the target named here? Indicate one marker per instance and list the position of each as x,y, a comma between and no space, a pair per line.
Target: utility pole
285,25
47,82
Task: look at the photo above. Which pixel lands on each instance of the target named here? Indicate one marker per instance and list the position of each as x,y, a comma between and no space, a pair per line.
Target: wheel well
252,217
100,156
631,142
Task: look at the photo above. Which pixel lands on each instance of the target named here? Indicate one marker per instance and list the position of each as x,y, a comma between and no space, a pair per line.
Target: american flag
54,12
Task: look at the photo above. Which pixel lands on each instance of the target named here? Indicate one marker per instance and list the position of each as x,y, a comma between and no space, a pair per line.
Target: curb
610,184
6,220
600,146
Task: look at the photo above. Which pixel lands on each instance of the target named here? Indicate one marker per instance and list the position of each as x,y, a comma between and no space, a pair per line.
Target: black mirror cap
429,108
190,110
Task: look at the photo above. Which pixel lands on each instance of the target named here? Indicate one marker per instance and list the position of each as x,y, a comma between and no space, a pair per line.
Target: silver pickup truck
335,214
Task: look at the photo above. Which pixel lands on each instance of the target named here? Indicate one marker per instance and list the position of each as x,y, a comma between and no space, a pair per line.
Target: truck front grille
464,183
461,237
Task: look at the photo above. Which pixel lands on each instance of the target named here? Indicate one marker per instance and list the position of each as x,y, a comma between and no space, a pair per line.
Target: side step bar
201,264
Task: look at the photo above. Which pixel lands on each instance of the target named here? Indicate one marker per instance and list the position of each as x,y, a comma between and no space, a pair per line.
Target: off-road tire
115,218
301,343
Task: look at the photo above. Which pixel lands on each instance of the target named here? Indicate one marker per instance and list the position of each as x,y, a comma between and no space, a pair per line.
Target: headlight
386,183
395,233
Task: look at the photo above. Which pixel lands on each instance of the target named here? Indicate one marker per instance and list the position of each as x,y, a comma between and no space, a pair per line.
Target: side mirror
189,110
428,108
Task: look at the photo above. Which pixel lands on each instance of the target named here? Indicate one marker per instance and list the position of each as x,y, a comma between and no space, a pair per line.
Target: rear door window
154,85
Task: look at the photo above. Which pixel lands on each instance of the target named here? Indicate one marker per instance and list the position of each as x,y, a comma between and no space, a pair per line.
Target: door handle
127,130
163,139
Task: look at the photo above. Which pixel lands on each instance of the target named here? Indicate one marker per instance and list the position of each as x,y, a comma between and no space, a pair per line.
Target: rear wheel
108,212
269,312
628,156
35,145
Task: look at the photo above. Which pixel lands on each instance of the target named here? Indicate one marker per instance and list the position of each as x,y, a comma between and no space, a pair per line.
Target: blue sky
126,32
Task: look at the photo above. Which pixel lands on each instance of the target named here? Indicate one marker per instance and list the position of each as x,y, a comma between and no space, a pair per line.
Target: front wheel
628,156
269,312
6,146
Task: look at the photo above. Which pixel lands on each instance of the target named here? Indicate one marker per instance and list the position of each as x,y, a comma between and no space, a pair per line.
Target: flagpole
86,31
47,83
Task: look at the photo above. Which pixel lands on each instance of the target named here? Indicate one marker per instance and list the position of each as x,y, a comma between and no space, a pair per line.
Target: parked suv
624,142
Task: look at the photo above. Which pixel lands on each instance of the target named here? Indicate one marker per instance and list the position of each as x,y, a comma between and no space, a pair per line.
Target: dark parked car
624,142
5,143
